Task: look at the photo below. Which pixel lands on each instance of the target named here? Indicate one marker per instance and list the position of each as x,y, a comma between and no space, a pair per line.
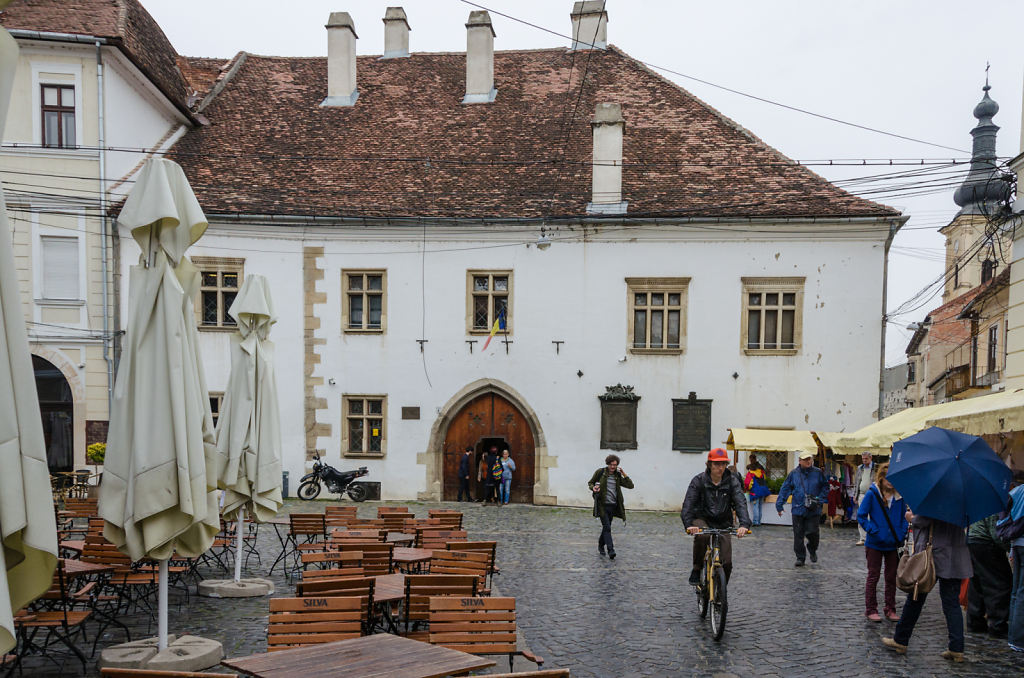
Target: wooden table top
76,568
378,656
403,554
73,545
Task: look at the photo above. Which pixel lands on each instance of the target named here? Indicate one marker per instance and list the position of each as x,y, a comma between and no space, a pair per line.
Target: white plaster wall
134,117
574,293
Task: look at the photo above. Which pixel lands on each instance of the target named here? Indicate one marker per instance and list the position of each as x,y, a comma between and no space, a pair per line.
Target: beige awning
976,416
771,440
996,413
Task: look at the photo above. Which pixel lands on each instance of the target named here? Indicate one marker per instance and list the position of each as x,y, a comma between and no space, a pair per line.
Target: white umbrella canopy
158,494
249,429
27,527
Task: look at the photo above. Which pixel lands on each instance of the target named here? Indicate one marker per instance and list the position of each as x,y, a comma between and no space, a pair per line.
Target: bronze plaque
410,413
618,425
691,424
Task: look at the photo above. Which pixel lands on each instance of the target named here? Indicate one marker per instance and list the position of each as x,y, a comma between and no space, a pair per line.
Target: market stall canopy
771,440
984,415
976,416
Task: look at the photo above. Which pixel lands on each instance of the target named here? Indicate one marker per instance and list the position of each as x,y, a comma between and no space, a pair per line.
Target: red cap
718,454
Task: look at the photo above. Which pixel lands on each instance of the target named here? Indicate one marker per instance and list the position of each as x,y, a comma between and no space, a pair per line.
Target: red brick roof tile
124,23
410,148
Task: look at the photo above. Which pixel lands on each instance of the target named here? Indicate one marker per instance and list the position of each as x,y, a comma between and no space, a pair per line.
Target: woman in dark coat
952,565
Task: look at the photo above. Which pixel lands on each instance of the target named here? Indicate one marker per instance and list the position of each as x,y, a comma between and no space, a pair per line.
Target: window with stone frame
363,432
488,298
657,315
57,107
772,321
216,402
220,280
364,300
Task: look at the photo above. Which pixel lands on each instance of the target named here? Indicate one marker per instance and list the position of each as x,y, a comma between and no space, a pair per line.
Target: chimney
608,125
589,25
396,33
341,61
479,59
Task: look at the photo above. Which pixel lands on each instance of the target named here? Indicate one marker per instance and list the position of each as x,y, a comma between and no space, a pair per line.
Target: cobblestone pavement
636,616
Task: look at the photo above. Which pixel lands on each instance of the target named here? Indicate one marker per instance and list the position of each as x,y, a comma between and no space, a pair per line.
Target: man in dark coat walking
606,484
808,487
464,475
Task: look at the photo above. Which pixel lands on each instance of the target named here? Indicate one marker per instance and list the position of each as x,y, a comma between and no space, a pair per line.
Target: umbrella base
229,588
187,653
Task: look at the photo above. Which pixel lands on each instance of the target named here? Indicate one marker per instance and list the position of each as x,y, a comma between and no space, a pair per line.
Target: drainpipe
101,143
894,228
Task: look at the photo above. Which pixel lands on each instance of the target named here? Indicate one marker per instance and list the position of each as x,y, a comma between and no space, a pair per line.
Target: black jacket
715,503
464,465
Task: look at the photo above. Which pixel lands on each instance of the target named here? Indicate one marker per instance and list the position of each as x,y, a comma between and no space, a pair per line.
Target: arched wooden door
56,406
485,420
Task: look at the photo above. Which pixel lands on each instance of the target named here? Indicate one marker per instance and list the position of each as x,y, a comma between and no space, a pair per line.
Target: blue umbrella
949,476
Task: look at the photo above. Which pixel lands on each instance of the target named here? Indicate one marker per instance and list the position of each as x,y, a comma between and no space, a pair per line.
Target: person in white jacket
861,484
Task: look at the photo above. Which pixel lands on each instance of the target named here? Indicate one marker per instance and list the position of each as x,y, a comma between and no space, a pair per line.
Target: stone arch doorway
439,447
489,420
56,407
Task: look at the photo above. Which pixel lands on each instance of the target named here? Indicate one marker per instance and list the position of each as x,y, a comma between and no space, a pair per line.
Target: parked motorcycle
338,482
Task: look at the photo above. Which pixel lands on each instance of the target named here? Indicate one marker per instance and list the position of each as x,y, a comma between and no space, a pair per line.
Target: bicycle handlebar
712,530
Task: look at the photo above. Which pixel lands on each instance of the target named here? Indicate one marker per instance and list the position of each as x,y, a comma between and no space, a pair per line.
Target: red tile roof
124,23
410,148
945,327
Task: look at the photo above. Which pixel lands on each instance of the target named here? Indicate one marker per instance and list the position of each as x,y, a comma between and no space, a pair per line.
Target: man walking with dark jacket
988,594
606,484
808,487
464,475
710,501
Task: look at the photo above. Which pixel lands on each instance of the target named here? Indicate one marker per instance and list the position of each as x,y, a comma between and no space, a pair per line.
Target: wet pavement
636,616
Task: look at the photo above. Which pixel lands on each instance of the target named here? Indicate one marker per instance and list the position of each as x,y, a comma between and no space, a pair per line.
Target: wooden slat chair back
476,625
411,524
437,539
304,527
366,524
331,560
298,622
81,508
395,522
449,518
378,557
488,547
351,534
148,673
462,562
62,621
382,511
340,512
343,586
420,587
337,573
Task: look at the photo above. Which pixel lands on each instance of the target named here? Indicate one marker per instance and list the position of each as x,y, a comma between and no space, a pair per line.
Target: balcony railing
958,379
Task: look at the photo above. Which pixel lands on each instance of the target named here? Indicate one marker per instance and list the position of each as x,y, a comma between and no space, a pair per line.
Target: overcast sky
912,67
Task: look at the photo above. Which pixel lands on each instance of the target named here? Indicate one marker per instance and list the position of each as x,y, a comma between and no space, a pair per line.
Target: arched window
56,406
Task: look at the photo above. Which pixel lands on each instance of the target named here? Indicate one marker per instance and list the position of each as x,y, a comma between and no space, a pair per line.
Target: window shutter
60,267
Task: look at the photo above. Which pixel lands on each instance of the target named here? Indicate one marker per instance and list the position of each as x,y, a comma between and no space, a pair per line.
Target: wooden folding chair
488,547
420,587
378,557
462,562
298,622
341,586
330,560
450,518
437,539
476,626
382,511
411,524
61,622
132,586
358,534
306,532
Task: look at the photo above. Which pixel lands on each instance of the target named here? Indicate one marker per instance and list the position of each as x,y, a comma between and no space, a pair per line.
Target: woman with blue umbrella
950,480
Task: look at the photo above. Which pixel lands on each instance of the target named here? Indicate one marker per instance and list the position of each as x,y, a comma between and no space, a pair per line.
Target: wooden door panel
489,416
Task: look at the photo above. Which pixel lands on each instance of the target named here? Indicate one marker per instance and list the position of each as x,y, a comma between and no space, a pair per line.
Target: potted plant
95,454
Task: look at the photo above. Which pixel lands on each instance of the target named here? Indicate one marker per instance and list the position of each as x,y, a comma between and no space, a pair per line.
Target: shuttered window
60,267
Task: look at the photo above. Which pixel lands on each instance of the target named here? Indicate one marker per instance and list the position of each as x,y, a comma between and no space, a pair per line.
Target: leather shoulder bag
916,571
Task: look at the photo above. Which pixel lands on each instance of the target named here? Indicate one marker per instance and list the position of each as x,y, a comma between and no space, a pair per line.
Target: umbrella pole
239,524
161,624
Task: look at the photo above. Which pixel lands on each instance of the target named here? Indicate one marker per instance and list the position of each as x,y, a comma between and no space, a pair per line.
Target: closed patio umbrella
158,494
27,527
248,431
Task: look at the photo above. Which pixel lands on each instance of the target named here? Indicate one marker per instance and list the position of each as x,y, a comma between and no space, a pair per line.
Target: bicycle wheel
702,595
719,604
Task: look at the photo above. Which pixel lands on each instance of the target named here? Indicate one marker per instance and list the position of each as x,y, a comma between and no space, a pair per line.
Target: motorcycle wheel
309,490
357,492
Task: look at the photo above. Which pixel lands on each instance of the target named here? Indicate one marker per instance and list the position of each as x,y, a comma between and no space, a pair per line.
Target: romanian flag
499,324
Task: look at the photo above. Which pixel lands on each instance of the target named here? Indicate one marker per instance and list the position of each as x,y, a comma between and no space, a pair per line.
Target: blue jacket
812,481
871,516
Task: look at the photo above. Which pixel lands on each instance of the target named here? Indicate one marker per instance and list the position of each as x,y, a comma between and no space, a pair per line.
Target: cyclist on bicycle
710,501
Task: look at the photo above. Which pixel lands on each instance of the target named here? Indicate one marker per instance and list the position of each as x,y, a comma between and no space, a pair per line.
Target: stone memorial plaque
691,424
